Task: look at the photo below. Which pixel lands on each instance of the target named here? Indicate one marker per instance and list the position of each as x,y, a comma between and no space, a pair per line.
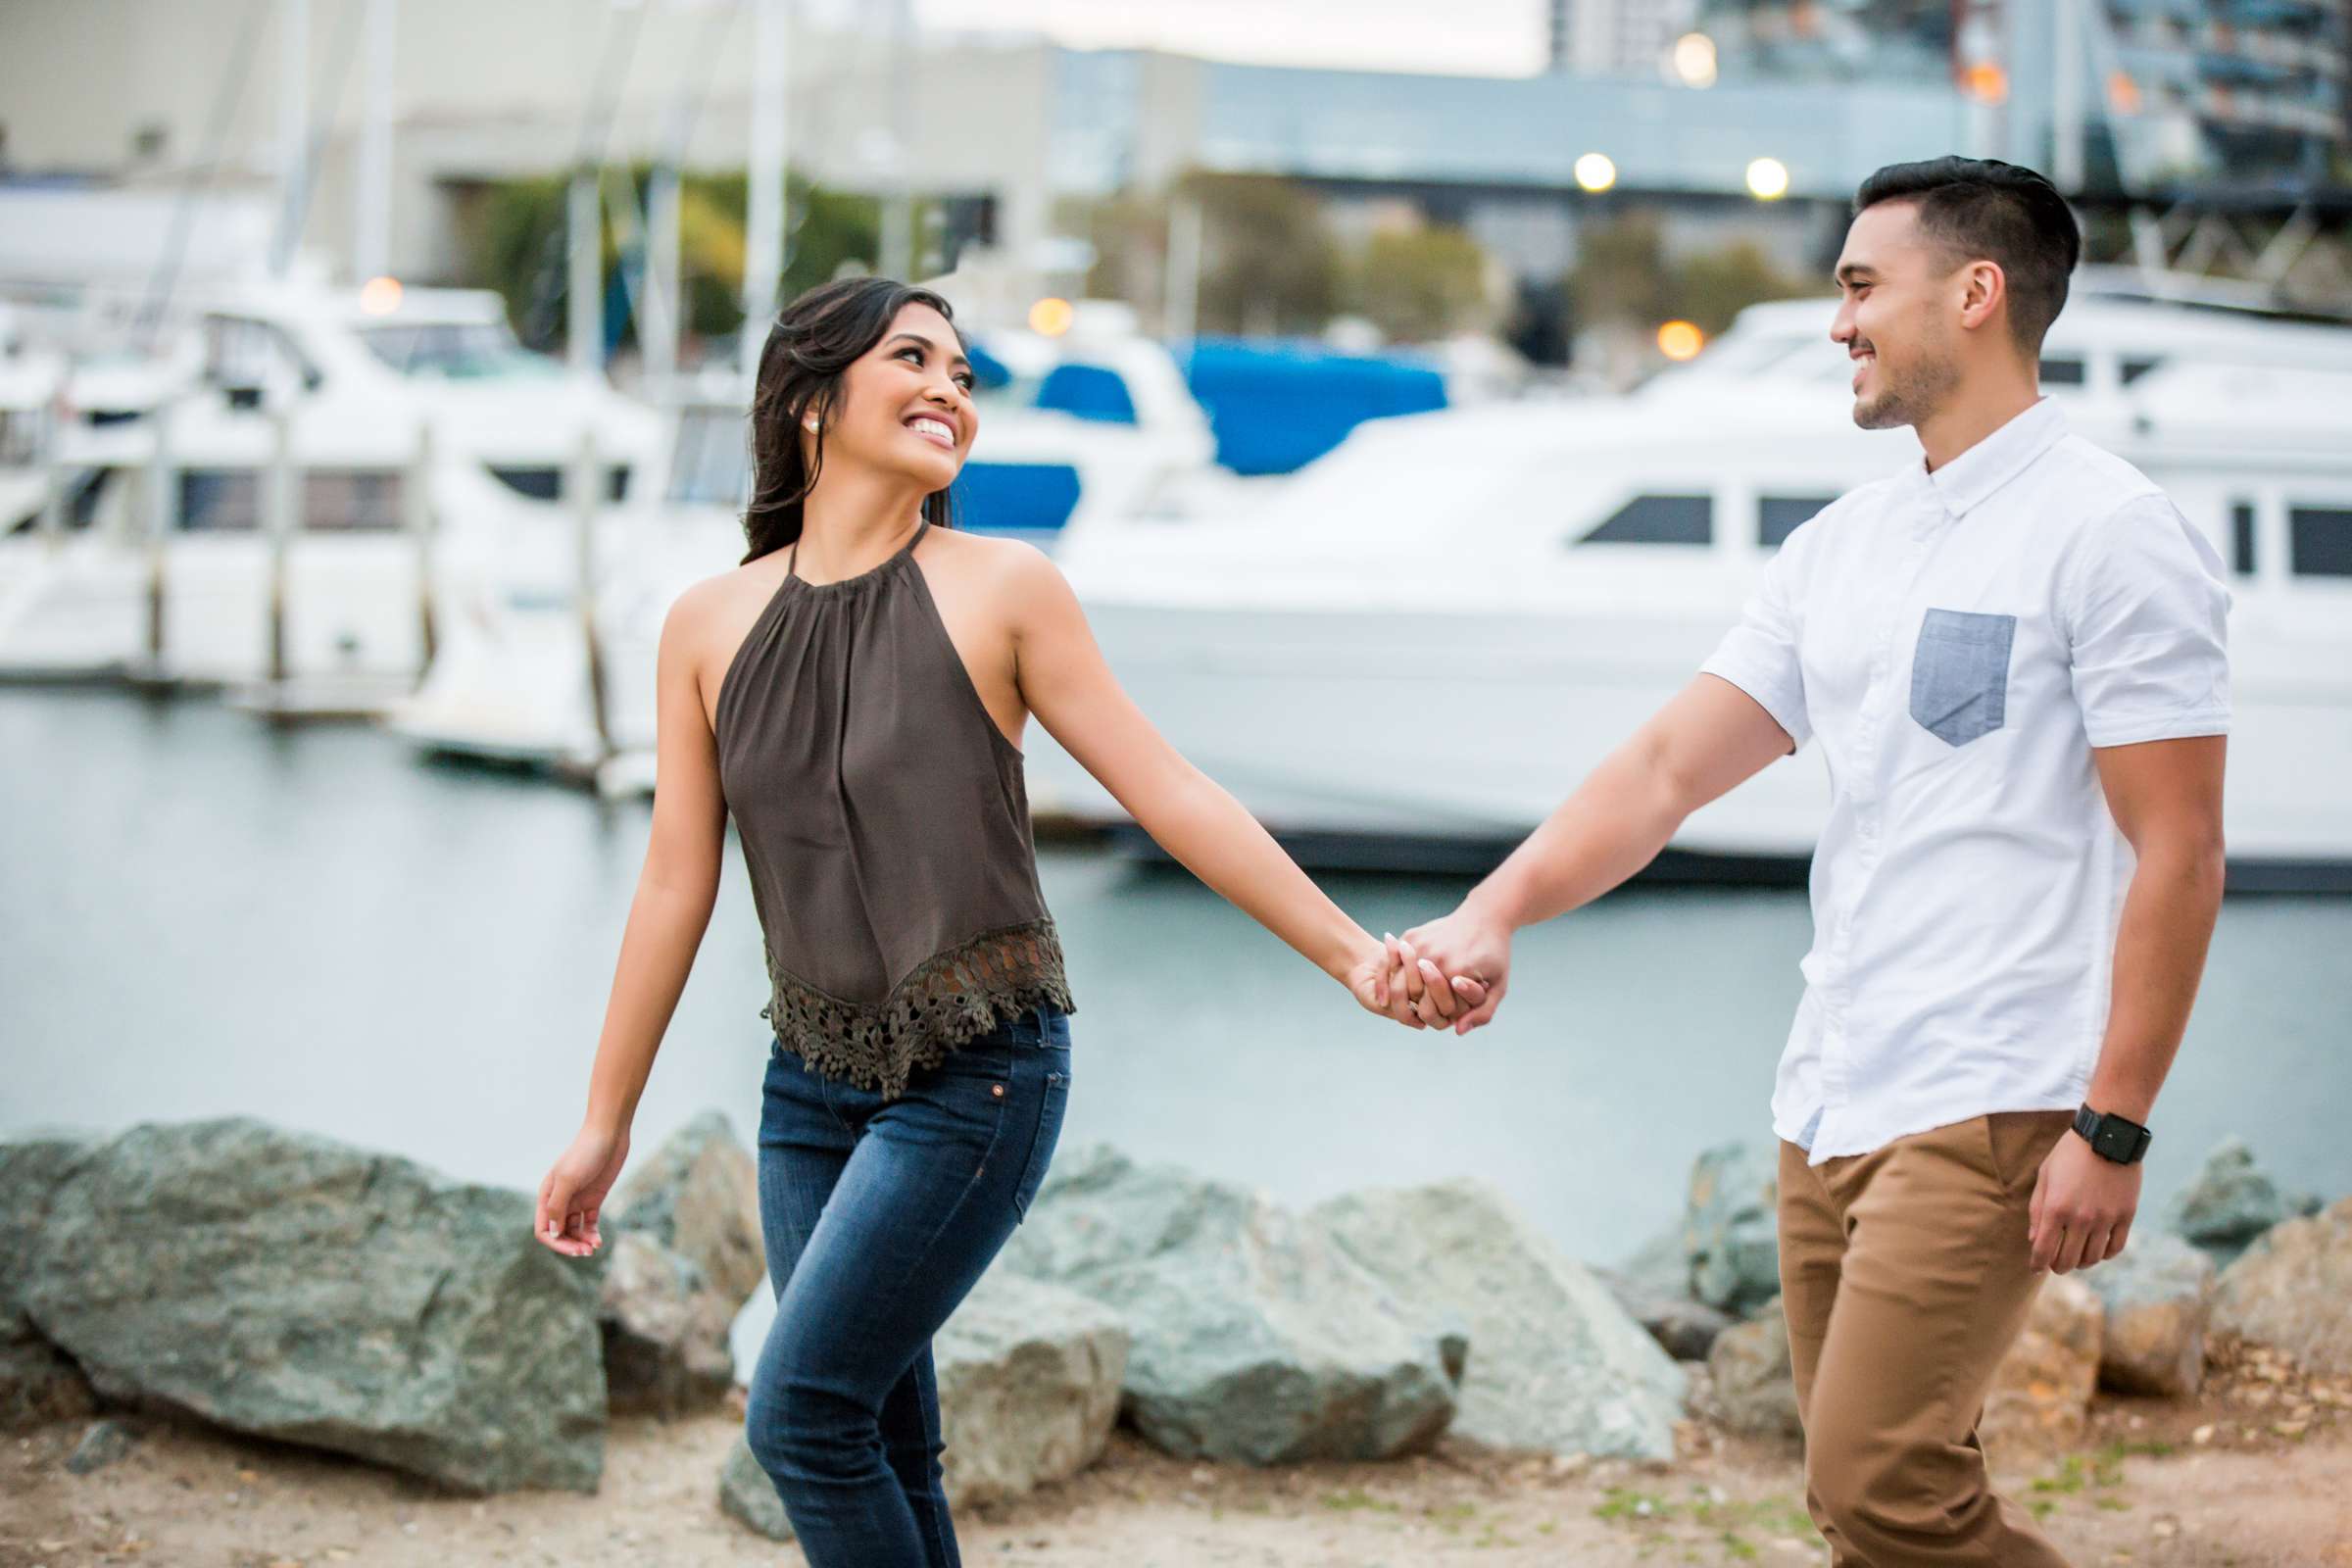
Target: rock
101,1445
2290,1289
1556,1364
1029,1378
685,1255
1659,1264
698,1195
38,1382
1685,1329
1754,1384
1730,1229
1028,1391
2229,1205
747,1496
288,1285
2039,1403
2159,1296
1255,1336
665,1331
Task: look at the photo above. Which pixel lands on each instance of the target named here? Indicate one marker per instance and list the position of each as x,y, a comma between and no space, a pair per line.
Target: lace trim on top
953,996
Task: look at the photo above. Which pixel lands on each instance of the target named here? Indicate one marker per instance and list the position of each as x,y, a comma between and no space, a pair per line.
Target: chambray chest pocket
1960,674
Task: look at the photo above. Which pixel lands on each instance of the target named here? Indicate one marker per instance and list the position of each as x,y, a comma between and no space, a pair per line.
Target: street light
1596,172
1768,179
1694,59
1680,340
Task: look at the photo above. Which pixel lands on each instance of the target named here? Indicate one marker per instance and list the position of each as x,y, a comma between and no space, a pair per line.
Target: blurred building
126,91
2161,93
1615,37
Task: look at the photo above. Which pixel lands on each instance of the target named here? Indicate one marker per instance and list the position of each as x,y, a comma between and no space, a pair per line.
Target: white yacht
1429,638
413,425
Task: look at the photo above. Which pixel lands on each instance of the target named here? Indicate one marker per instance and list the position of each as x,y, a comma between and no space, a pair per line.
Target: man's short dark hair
1982,207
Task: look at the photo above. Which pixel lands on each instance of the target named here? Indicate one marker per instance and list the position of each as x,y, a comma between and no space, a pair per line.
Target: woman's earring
809,426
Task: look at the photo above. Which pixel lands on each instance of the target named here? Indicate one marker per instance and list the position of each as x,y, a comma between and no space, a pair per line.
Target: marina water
201,915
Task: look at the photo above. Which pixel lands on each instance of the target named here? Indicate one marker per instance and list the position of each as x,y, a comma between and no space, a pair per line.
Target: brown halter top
885,822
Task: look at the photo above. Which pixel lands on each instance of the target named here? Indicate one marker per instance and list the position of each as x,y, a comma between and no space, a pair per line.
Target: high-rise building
2142,93
1616,37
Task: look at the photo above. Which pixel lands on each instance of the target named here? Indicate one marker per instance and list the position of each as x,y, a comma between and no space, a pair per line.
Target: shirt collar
1999,457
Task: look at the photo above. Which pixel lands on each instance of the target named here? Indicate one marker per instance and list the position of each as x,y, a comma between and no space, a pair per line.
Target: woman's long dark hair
815,339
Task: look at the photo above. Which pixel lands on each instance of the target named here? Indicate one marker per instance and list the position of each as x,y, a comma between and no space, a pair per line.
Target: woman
854,694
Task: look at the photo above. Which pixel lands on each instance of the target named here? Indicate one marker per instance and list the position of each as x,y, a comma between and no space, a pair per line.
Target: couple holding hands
2011,655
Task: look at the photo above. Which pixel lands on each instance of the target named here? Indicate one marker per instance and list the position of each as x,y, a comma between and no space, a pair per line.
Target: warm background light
1695,60
1594,172
1986,81
1679,340
1050,317
1768,179
380,296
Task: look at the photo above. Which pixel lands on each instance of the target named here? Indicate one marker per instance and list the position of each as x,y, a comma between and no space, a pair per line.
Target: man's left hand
2082,1207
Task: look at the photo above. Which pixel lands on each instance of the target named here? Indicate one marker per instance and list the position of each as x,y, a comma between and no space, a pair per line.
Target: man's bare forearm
2160,946
1614,824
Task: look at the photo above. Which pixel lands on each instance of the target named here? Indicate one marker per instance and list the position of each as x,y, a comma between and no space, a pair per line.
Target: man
2012,657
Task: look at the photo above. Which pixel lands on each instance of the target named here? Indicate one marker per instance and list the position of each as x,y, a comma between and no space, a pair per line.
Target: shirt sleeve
1759,655
2147,625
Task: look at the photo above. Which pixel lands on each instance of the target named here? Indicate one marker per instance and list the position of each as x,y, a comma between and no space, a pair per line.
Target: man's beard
1908,399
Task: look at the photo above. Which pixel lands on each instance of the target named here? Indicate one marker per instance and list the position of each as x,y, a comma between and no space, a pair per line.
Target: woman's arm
676,892
1064,681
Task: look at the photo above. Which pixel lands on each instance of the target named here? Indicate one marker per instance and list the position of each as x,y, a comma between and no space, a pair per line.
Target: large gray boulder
685,1255
1028,1391
1556,1364
2230,1204
1753,1380
285,1284
1256,1337
38,1382
1029,1379
2290,1289
1731,1231
2159,1298
747,1496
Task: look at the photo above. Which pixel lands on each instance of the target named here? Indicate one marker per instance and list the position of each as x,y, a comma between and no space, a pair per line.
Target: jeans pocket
1960,674
1053,1096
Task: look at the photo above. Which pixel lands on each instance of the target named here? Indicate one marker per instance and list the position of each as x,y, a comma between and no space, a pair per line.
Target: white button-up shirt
1958,640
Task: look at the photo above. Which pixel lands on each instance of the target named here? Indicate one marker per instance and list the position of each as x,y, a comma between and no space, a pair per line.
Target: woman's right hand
573,1194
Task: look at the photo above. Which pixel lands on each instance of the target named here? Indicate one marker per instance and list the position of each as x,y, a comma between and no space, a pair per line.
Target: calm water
198,917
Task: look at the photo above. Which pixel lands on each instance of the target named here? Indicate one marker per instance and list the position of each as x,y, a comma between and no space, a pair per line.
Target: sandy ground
2258,1472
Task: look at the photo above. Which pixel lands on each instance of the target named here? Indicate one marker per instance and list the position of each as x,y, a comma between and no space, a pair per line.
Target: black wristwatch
2111,1137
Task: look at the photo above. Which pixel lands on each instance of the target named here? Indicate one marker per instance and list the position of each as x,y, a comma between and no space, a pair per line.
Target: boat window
2062,372
2320,541
1778,517
243,354
2242,538
545,481
218,500
330,501
1657,520
2135,368
351,499
456,351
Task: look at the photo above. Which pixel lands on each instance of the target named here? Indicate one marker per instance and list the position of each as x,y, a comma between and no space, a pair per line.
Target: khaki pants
1906,1277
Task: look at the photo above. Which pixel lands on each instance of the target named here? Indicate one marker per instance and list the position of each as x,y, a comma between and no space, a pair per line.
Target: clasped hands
1447,974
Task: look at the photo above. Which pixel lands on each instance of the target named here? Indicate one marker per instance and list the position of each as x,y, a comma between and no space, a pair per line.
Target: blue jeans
879,1218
